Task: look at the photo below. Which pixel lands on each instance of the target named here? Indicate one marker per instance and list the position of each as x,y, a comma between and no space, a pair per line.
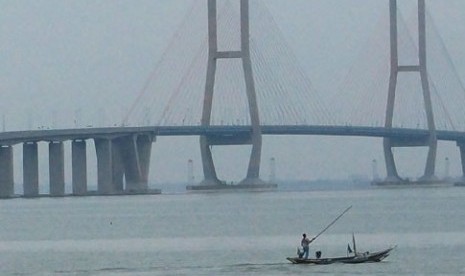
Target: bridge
123,152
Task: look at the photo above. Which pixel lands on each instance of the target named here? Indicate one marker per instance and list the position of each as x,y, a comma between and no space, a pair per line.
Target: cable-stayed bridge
234,79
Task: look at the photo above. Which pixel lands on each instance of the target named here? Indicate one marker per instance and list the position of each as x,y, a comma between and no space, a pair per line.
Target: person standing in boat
305,243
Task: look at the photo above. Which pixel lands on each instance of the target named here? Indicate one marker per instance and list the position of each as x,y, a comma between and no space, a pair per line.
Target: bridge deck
16,137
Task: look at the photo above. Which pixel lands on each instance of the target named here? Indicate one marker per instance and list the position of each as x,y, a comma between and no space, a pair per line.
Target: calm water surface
243,233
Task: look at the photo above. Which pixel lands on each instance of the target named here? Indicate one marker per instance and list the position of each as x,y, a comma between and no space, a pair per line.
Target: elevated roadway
16,137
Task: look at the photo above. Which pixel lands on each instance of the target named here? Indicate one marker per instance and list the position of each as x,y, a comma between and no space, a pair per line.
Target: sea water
234,233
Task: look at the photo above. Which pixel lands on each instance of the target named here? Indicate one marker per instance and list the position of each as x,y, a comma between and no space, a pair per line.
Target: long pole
334,221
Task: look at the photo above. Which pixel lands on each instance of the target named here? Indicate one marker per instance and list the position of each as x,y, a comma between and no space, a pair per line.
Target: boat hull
355,259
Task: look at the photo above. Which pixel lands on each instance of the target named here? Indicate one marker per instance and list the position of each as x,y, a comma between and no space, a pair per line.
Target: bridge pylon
421,68
255,137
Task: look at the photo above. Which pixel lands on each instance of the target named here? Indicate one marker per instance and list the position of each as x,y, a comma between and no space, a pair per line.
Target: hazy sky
83,62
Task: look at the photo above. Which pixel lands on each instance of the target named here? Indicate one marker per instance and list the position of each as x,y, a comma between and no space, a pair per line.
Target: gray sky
67,63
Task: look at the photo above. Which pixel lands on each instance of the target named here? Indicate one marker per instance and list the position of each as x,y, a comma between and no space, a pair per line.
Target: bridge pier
123,161
30,169
421,68
136,152
110,167
461,146
6,171
103,148
79,167
56,157
117,166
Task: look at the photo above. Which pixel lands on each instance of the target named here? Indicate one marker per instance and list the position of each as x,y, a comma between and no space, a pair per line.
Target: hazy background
82,63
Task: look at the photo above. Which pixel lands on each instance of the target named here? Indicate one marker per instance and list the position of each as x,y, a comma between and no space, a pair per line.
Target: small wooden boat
366,257
353,257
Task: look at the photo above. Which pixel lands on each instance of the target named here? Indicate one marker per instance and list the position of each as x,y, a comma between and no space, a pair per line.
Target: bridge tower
421,68
255,137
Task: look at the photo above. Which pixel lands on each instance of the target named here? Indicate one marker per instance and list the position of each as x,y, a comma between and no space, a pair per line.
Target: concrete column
209,171
30,169
103,149
117,166
79,167
56,168
255,156
136,154
462,157
144,147
6,171
431,159
391,170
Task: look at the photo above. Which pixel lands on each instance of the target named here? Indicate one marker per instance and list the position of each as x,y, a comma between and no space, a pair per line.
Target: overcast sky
66,63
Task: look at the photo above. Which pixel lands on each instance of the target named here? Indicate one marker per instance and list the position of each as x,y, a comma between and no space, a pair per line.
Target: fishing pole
334,221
